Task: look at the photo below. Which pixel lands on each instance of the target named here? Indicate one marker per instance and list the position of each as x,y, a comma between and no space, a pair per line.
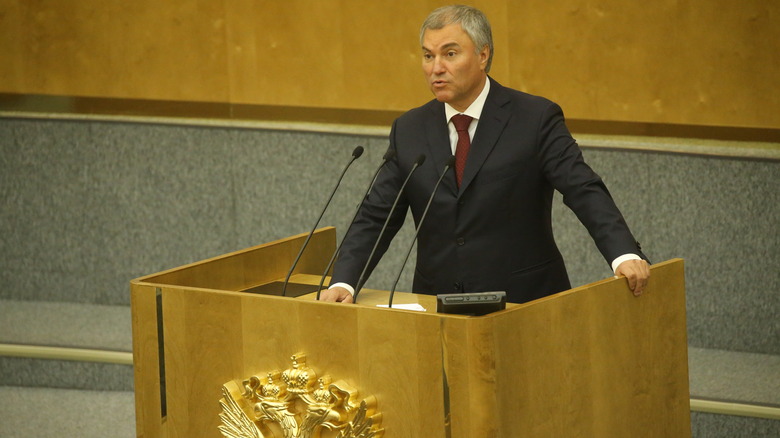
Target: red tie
461,122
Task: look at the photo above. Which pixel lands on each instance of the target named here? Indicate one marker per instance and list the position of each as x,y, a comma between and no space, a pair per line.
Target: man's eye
451,54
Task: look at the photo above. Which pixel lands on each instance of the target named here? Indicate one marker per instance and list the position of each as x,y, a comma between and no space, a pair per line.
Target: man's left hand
637,272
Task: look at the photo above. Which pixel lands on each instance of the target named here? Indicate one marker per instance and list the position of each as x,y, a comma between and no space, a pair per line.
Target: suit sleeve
365,231
583,190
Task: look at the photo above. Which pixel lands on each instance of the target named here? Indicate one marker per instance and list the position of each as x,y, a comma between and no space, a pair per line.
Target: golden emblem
296,404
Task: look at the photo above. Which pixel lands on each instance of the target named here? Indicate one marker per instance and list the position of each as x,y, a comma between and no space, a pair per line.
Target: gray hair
472,20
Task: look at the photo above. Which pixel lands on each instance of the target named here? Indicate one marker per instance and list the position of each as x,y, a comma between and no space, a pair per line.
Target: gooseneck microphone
387,157
355,155
359,285
450,162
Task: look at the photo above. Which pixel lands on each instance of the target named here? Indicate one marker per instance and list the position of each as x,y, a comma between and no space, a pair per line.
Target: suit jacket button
461,241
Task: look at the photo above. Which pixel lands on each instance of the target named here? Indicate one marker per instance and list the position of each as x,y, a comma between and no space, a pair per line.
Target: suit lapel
439,146
491,125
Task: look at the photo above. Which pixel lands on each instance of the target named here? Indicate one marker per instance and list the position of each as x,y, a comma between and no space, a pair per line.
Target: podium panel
592,361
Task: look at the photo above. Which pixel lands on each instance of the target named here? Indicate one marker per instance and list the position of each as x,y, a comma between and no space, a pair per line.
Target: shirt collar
475,109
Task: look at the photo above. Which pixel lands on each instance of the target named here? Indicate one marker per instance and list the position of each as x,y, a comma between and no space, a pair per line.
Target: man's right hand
336,294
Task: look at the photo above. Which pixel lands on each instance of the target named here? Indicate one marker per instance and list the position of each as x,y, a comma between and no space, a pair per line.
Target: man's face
454,70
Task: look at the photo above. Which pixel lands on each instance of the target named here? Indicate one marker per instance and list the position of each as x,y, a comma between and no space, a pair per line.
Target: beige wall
700,62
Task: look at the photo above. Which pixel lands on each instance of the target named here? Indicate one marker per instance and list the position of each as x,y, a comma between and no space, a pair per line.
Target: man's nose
438,65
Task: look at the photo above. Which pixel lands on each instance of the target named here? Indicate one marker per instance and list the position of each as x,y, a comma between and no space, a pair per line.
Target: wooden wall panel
144,49
699,62
688,62
298,53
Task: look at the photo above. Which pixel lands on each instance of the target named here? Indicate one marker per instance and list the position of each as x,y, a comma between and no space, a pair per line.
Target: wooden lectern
594,361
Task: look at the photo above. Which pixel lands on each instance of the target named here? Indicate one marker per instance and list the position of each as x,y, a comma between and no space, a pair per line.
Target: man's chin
442,97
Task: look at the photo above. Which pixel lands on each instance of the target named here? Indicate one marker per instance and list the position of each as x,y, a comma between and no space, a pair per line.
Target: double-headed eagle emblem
296,404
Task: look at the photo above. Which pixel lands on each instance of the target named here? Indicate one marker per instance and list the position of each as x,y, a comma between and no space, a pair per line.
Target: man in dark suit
489,227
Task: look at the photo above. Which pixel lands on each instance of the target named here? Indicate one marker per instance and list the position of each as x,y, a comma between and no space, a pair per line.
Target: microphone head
420,160
450,161
357,152
389,154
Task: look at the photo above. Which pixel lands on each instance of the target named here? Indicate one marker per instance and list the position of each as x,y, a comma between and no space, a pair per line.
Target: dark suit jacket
495,232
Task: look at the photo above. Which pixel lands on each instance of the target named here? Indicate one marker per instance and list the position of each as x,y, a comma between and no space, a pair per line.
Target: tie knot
461,122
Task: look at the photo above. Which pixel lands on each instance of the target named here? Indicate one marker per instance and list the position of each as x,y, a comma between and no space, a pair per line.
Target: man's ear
484,55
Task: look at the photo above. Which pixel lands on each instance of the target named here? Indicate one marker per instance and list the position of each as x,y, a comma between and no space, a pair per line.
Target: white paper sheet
416,307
